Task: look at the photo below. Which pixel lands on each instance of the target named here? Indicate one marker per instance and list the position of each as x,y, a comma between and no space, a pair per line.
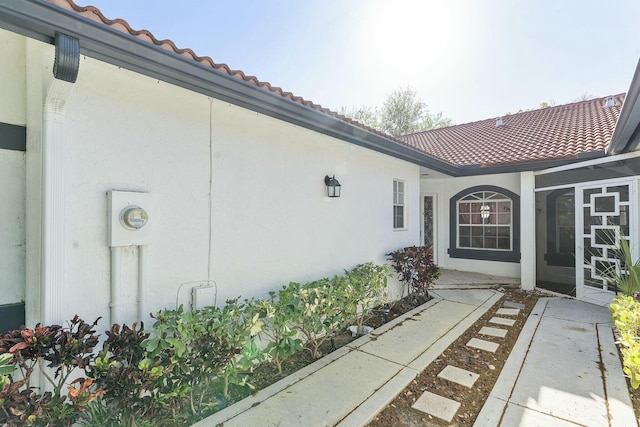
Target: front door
605,213
428,221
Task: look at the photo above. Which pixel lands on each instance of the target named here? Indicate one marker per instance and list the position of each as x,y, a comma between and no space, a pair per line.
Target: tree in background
402,113
368,116
552,103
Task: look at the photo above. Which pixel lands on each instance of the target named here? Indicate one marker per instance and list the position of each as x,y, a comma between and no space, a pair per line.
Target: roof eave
626,135
41,21
473,170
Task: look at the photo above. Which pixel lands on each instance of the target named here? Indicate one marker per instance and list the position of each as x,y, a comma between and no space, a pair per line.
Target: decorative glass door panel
603,217
428,221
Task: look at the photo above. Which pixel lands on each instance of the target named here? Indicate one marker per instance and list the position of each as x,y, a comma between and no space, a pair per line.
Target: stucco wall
12,237
447,188
13,81
271,222
12,172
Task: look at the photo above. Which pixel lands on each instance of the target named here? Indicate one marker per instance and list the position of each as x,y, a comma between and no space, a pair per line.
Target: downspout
54,152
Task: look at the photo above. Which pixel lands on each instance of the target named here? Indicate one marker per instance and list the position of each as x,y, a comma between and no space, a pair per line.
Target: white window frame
400,201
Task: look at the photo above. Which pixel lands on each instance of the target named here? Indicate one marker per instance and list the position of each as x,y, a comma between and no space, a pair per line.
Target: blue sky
472,59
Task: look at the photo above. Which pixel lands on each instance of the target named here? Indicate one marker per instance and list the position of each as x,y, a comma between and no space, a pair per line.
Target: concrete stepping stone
508,311
493,332
460,376
483,345
502,321
511,304
438,406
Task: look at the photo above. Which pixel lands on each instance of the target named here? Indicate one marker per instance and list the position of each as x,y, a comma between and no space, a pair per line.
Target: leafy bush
63,350
626,317
199,348
280,313
128,383
181,370
361,289
415,267
321,314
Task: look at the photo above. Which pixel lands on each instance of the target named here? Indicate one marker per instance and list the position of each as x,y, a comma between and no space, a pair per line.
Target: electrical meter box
130,218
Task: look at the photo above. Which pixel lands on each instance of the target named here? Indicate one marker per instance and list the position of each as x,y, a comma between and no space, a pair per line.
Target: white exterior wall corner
266,209
445,188
527,231
39,63
12,171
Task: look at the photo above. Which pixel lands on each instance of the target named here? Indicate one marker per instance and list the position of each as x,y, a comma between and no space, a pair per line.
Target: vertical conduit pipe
142,278
116,256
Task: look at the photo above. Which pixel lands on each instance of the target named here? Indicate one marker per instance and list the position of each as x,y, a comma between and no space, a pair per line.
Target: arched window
485,224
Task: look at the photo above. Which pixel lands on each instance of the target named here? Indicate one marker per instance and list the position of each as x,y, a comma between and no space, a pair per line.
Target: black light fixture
333,186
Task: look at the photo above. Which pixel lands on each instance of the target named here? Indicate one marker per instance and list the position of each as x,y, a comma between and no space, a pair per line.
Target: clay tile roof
560,132
94,14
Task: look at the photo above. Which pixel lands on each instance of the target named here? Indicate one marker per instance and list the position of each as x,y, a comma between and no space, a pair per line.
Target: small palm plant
625,276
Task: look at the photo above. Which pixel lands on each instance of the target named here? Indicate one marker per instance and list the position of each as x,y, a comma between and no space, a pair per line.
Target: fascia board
626,135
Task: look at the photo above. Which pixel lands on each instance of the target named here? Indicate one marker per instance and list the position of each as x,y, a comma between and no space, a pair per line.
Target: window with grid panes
398,204
484,221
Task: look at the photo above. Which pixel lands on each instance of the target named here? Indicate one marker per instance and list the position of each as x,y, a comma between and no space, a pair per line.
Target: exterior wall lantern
485,211
333,186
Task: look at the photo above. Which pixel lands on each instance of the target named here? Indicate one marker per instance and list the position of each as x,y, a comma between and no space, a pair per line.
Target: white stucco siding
13,81
271,221
12,235
271,215
12,172
127,132
449,187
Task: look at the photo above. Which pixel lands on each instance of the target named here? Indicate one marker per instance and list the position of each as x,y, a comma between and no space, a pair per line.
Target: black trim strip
13,137
11,317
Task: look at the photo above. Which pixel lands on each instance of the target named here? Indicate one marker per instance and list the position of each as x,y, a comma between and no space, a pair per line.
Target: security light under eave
333,186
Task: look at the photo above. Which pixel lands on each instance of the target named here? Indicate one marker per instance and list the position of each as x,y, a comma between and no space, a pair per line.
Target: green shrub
321,314
360,290
181,370
626,317
280,313
199,348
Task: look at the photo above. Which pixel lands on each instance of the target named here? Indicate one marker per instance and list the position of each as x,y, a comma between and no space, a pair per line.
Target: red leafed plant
415,267
62,350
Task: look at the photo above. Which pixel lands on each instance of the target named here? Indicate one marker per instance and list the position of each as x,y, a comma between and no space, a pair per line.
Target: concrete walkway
351,385
455,279
563,371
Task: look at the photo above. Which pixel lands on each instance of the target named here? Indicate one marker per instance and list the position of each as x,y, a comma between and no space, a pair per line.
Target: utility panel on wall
130,218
